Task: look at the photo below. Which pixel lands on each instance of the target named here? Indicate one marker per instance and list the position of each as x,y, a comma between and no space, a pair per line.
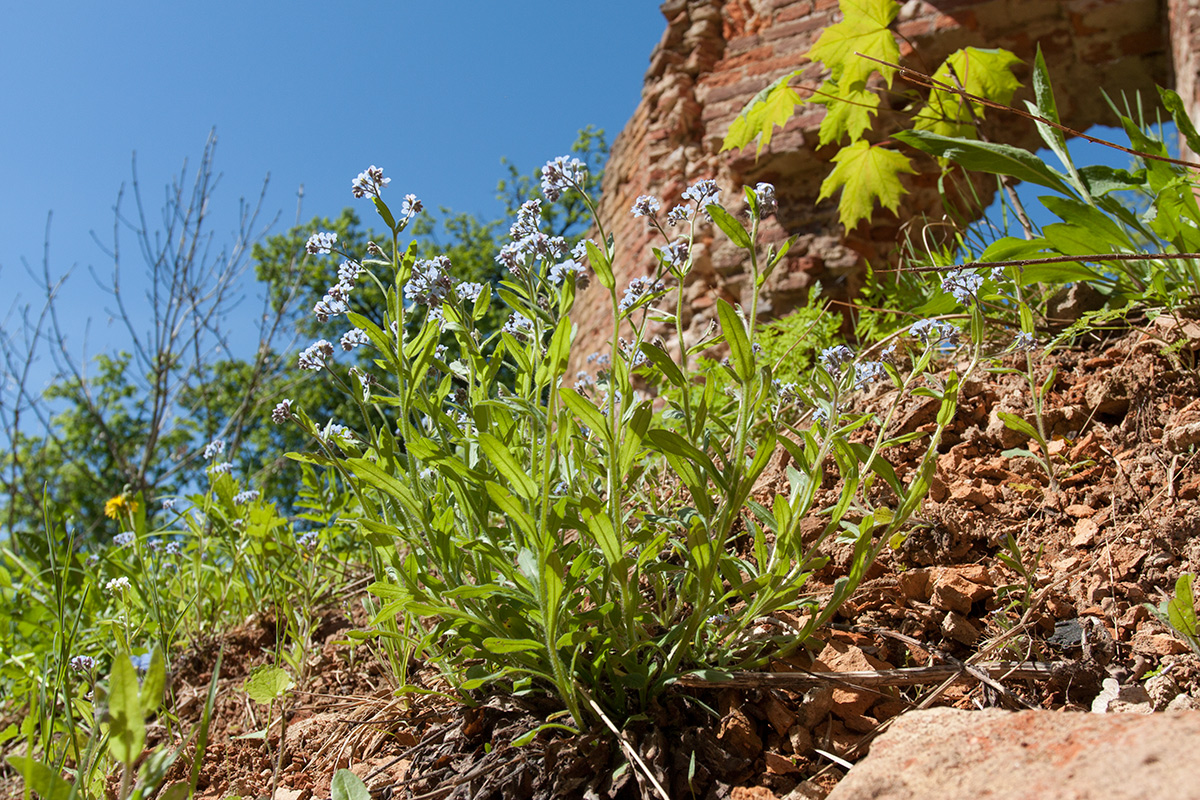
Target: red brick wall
716,54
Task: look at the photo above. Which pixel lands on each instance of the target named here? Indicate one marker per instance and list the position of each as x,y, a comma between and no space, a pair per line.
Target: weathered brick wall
716,54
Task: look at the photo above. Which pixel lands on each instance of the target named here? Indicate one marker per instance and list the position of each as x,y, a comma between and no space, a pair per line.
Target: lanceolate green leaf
999,159
126,724
739,344
866,174
507,465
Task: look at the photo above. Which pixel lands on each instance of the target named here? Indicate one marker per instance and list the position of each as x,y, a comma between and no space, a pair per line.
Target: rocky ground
939,623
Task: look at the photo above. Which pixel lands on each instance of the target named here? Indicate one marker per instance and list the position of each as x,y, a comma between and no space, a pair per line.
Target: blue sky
312,93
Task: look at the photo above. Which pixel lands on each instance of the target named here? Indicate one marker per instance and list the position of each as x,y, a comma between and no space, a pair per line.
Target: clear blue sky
312,93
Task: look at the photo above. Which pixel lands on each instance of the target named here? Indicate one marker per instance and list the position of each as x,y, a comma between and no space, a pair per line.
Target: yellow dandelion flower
115,506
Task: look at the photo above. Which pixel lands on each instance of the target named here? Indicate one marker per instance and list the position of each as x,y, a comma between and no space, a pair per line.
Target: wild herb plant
582,540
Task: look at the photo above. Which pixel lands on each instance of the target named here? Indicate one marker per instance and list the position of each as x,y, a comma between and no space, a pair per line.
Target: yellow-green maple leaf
772,106
847,112
984,73
866,174
863,29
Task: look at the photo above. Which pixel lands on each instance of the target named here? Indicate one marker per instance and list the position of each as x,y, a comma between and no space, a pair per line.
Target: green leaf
664,363
740,352
584,409
602,530
530,735
600,265
848,112
1172,102
500,646
998,159
1019,425
267,683
984,73
863,29
348,786
772,106
866,174
730,226
507,465
48,784
150,697
126,722
1181,609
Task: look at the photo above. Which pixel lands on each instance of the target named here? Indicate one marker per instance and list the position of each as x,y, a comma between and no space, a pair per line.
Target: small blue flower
321,243
867,373
214,448
83,663
1024,341
248,496
963,285
645,206
933,331
764,193
124,538
141,662
561,174
832,358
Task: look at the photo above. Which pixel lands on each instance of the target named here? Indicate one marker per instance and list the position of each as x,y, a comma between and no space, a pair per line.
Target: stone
945,753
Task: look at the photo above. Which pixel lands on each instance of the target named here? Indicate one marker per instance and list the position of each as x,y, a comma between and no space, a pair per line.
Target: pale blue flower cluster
933,331
248,496
676,254
214,448
528,240
518,325
282,412
222,468
868,372
117,585
645,206
764,194
638,290
832,358
561,174
1024,341
353,338
963,285
124,538
82,664
369,182
430,282
321,243
309,541
314,356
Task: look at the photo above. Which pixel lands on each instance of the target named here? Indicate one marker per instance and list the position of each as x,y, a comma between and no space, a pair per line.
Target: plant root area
1110,534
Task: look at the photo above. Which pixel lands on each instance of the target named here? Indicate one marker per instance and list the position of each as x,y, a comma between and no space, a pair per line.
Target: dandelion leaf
772,106
866,175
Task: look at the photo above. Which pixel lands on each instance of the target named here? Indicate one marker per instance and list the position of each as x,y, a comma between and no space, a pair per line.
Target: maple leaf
847,111
985,73
866,174
773,106
863,29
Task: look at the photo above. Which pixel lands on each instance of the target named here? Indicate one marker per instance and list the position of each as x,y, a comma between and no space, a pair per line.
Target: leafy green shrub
580,540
